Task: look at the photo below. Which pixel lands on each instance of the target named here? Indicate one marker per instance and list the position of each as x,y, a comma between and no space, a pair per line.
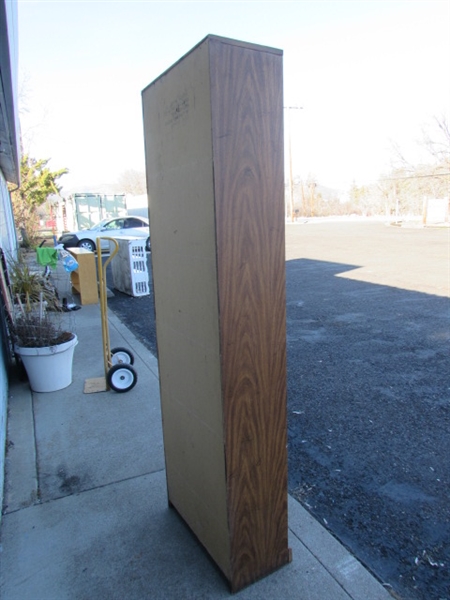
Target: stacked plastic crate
129,267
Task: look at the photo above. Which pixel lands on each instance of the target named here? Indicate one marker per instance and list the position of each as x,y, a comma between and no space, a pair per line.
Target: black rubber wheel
148,245
87,245
121,378
120,356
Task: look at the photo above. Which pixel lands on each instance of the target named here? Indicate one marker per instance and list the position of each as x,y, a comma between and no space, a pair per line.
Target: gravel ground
368,331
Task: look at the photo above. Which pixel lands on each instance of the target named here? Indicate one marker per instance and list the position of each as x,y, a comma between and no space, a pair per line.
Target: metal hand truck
119,372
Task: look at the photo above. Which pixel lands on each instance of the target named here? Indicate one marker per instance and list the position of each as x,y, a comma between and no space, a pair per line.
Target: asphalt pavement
368,331
86,514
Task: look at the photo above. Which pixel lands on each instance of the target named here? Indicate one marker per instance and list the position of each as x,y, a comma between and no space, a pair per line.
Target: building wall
3,414
10,162
8,238
8,243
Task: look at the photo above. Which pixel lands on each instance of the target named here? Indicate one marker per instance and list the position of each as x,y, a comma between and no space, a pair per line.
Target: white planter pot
49,369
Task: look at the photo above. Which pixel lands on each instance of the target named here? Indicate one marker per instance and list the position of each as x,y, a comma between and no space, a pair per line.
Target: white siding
8,238
8,243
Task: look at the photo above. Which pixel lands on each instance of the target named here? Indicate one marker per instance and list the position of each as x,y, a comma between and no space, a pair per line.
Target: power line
413,177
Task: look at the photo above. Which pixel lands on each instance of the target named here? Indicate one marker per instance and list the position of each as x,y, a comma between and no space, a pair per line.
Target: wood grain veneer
213,127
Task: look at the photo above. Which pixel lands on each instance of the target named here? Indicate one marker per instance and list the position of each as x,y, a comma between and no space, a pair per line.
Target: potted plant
46,349
29,285
43,345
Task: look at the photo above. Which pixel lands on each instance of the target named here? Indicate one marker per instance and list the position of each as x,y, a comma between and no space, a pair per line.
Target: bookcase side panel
247,125
177,126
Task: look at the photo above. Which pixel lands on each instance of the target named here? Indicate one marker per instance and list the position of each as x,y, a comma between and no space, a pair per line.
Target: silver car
113,227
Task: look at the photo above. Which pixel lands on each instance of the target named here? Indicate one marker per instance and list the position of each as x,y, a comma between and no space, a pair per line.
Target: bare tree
437,141
411,183
132,182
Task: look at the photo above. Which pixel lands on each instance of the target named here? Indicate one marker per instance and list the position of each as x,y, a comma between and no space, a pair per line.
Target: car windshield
99,225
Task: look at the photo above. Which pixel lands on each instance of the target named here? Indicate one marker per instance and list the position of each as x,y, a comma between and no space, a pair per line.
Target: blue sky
366,74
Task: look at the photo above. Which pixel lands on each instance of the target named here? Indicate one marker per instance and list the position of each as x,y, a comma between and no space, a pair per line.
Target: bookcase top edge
220,40
249,45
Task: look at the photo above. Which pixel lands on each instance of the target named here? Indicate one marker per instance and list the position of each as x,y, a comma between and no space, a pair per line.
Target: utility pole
291,181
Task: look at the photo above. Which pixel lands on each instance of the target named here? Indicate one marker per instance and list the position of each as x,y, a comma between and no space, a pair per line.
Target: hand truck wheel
121,356
121,378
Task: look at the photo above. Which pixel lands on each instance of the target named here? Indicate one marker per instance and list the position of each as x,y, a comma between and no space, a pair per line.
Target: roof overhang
9,127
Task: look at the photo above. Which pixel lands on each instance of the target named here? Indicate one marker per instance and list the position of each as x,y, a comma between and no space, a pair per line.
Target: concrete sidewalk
86,514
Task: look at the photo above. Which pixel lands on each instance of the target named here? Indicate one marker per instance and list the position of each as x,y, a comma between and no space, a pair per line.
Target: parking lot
368,332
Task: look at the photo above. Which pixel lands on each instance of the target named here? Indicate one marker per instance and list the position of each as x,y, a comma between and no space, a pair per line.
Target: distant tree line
400,192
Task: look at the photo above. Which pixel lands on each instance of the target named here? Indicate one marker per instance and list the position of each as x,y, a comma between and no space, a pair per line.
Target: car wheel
148,246
87,245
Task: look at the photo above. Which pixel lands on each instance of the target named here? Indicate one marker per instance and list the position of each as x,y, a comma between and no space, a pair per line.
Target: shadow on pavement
368,416
369,420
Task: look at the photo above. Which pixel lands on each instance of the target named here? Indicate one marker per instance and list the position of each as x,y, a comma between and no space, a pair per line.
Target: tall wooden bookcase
213,128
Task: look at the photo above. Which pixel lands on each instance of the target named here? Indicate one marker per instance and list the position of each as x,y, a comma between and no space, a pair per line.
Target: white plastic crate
140,285
129,267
